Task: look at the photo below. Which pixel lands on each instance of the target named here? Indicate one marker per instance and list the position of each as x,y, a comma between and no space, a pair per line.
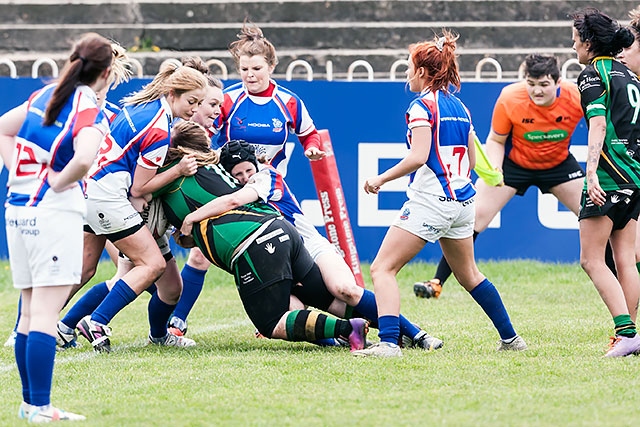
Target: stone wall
320,32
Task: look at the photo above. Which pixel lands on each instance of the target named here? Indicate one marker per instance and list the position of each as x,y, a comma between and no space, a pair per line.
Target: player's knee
586,264
197,260
156,266
379,269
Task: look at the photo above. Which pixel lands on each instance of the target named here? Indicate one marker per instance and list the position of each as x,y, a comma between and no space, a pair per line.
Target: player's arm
86,143
494,145
219,206
10,124
417,157
472,149
595,141
146,180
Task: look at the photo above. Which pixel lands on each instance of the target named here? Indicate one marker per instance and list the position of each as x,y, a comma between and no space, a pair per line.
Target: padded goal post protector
334,207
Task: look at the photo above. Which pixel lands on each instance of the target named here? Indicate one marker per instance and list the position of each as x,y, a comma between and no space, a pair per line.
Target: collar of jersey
599,58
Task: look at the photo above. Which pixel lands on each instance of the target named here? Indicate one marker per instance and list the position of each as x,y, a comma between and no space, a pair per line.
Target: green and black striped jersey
608,88
217,237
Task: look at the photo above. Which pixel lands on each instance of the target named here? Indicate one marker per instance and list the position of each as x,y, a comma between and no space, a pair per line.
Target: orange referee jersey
540,136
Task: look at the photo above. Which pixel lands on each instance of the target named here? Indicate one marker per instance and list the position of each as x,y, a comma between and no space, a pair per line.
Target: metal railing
309,74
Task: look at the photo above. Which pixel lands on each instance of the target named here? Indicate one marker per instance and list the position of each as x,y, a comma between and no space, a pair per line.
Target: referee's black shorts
545,179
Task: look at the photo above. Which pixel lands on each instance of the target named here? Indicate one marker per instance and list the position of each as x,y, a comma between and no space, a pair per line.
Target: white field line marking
80,355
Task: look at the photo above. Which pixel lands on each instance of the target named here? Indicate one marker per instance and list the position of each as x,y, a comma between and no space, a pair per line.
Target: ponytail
91,55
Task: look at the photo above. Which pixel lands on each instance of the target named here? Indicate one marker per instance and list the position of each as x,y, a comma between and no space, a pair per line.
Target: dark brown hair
190,138
90,56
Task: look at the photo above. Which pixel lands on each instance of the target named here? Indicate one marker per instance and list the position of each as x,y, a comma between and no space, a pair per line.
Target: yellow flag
484,169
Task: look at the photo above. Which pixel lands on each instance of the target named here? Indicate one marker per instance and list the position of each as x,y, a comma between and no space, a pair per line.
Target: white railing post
567,64
491,61
221,65
329,68
13,72
360,63
395,65
299,63
139,68
35,68
521,70
171,60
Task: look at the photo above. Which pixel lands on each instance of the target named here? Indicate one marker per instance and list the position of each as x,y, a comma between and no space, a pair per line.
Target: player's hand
372,185
139,203
188,165
594,191
314,153
182,240
187,226
52,179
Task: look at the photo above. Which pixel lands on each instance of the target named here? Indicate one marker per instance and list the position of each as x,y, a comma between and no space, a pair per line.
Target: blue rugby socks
368,309
85,305
20,351
159,313
120,296
40,356
487,296
192,283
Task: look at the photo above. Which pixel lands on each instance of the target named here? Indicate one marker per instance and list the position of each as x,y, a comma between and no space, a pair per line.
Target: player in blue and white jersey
440,207
48,144
126,168
171,276
120,72
260,111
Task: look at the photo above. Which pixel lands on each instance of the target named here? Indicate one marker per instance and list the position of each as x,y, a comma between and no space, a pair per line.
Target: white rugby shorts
108,208
45,246
434,217
315,243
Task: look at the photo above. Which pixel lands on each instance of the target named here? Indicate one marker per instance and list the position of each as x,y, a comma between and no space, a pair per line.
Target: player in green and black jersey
610,98
253,242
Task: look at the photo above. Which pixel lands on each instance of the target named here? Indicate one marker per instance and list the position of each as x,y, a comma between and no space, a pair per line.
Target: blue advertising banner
367,127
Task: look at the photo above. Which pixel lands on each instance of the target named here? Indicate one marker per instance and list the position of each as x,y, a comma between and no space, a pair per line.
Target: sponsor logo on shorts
27,226
576,174
247,278
54,268
405,214
462,202
133,215
430,228
104,222
269,236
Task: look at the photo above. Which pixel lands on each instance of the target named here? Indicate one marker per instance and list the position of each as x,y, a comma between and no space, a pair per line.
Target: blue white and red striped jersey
264,121
140,135
446,172
111,110
271,188
39,147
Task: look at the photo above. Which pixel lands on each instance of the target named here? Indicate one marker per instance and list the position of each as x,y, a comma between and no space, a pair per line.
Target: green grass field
232,378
